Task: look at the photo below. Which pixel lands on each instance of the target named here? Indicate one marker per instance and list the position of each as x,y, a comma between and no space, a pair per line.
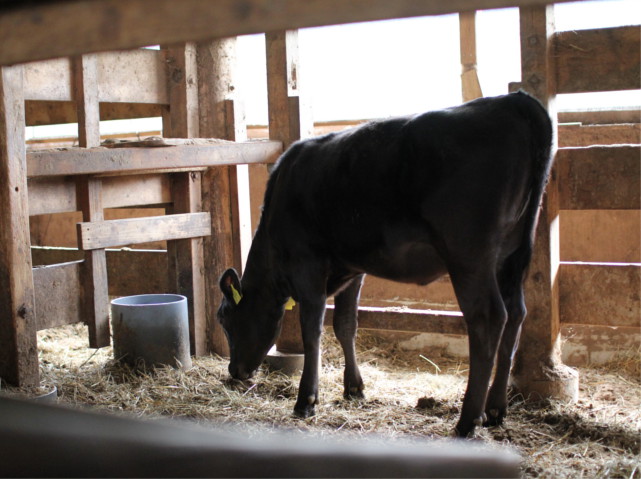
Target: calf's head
251,325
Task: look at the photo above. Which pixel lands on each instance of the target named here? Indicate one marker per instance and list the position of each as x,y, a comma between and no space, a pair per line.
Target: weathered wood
182,78
604,59
408,320
107,234
65,28
602,116
57,293
605,294
592,344
105,160
94,288
57,194
18,344
471,88
186,260
588,135
85,88
56,112
538,369
600,177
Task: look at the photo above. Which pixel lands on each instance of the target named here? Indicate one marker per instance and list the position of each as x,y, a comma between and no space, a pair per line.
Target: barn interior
99,216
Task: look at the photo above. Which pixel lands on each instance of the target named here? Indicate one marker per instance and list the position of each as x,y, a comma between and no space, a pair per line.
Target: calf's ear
230,286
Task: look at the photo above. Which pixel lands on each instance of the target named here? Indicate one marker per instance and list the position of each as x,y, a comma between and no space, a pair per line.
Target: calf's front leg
311,318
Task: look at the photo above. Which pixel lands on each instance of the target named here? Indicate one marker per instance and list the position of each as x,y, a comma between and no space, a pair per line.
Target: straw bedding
408,395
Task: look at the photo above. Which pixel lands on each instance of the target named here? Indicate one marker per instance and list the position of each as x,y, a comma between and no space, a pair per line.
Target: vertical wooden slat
186,257
289,120
94,285
85,86
18,343
471,88
220,119
539,369
94,290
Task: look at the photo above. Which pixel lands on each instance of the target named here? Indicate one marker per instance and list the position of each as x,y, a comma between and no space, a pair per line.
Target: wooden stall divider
471,88
539,370
186,256
18,342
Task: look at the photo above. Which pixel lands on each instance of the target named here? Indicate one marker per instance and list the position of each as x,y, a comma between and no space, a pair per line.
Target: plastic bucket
151,330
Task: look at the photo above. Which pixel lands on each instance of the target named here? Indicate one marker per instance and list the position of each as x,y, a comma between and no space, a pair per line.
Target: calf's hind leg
485,315
345,326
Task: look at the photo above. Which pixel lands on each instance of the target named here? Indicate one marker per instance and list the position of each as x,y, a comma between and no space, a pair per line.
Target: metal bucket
151,330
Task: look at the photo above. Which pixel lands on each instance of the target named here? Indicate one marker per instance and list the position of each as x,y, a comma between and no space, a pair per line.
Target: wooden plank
43,112
603,177
57,194
57,293
135,76
590,345
85,87
407,320
605,59
605,294
471,88
538,369
49,80
66,28
107,160
18,343
107,234
94,287
589,135
182,75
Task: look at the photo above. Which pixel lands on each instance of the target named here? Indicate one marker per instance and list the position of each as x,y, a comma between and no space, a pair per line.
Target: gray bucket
151,330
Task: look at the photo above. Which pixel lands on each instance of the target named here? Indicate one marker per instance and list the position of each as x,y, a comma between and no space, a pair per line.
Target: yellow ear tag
236,295
289,305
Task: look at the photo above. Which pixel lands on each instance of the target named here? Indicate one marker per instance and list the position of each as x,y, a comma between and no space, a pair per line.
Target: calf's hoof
306,407
465,429
494,417
354,392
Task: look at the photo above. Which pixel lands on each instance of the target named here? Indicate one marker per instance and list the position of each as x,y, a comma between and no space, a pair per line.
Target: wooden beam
112,160
538,369
44,112
576,135
605,294
94,292
18,343
471,88
67,28
406,320
107,234
58,292
603,177
57,194
605,59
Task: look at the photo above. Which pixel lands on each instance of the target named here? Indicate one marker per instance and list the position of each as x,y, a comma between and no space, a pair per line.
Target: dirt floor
408,395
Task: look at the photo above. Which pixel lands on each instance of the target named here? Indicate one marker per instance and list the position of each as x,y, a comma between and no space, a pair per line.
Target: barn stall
195,195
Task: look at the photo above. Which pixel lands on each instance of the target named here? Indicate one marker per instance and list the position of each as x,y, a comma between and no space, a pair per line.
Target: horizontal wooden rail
604,177
136,76
107,234
408,320
604,59
57,194
82,161
63,28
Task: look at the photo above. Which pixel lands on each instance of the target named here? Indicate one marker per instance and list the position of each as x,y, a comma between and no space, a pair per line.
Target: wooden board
606,59
109,160
57,292
600,294
600,177
107,234
63,28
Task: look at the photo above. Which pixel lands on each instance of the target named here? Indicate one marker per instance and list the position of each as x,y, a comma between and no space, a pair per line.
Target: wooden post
290,119
221,116
539,370
18,342
94,285
471,88
186,256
